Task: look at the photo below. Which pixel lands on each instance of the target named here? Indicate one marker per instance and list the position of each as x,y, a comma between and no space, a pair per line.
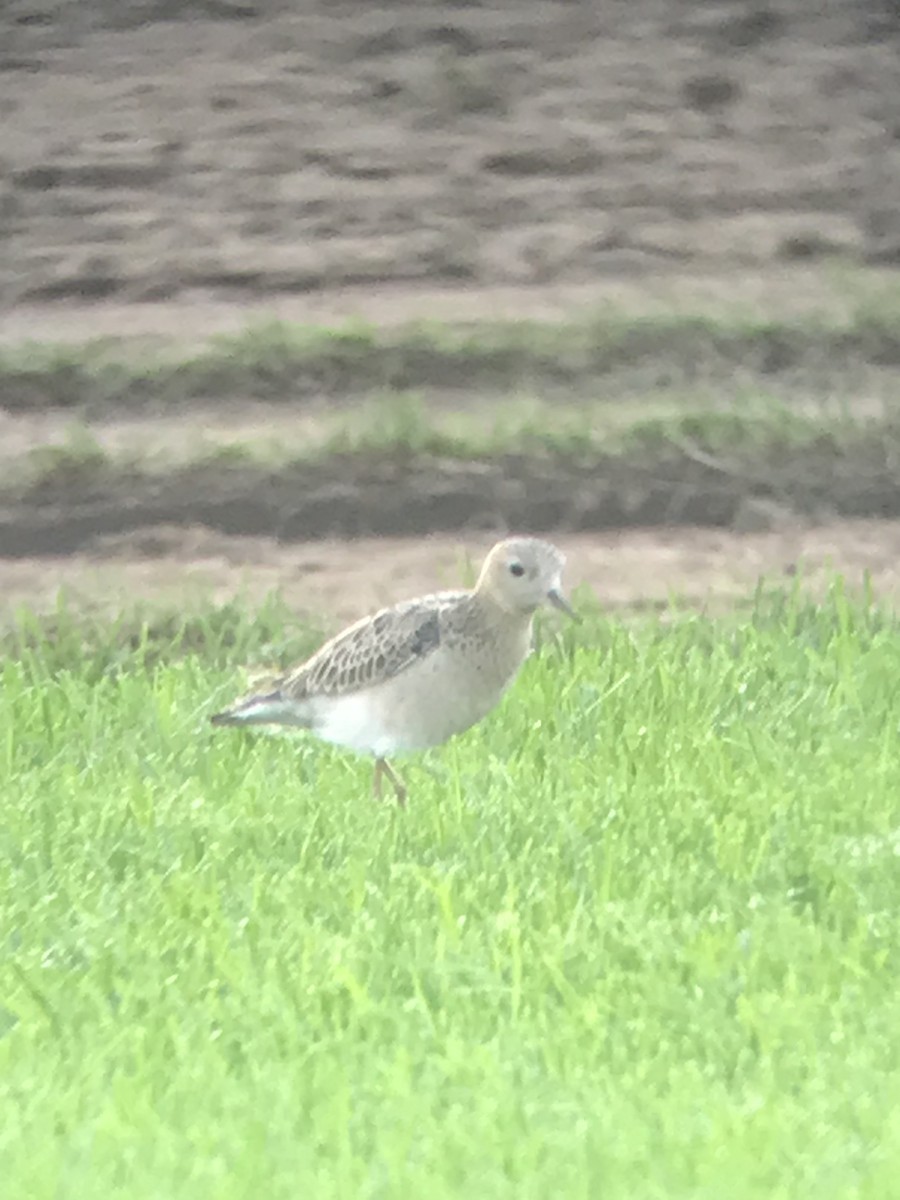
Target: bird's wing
372,651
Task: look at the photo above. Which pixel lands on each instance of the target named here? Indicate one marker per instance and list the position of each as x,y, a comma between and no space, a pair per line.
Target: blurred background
287,287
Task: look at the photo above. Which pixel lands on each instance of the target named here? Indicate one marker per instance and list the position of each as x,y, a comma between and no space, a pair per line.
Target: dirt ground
202,148
169,167
334,581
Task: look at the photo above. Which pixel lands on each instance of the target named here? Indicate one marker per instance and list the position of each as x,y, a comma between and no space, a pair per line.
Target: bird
414,675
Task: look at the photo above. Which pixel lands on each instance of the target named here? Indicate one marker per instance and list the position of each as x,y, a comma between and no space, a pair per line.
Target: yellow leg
399,786
382,768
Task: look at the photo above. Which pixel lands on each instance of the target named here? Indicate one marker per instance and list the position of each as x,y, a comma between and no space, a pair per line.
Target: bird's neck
496,612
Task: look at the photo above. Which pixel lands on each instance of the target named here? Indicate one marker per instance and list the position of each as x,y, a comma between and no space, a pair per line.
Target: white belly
353,720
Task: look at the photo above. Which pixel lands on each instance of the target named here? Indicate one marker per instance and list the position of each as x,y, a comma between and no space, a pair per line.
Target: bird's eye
516,569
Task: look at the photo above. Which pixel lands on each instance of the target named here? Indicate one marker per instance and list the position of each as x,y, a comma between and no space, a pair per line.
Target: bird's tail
271,709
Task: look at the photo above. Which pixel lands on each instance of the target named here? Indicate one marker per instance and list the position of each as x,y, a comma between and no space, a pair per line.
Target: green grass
635,936
394,425
601,420
276,360
631,465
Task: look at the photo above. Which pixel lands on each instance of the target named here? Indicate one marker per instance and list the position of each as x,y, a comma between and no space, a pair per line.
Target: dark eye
516,569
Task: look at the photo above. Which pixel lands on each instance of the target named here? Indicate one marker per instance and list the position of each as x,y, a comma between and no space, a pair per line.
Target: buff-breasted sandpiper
412,676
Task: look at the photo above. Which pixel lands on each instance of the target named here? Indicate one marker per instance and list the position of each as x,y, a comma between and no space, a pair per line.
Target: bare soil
171,167
339,580
208,148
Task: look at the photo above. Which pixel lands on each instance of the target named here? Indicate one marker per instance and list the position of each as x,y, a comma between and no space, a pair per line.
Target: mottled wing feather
369,652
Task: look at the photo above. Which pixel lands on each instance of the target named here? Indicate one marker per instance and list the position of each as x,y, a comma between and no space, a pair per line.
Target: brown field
173,167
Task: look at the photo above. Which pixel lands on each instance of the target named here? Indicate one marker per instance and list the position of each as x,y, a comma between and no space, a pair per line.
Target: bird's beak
558,600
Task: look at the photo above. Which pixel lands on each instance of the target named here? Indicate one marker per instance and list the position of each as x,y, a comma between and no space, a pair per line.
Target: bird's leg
382,768
399,788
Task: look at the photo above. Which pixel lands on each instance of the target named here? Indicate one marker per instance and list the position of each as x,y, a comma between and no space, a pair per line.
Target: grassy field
635,936
608,418
610,347
612,424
